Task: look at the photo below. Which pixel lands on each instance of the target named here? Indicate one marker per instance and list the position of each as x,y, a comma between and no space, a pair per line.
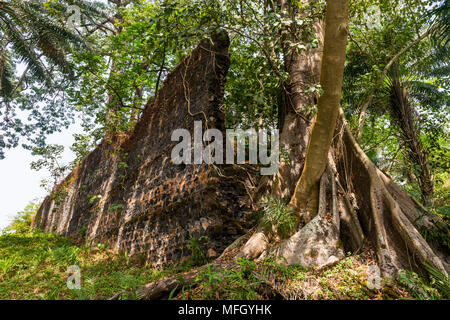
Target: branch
100,26
266,54
161,69
22,77
380,81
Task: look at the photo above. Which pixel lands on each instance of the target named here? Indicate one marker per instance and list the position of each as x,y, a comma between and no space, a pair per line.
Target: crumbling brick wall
128,193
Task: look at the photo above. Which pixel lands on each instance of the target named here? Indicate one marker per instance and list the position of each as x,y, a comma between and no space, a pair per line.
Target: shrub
21,223
277,217
198,256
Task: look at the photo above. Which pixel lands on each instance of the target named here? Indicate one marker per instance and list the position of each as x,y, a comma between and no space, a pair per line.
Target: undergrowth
348,279
277,217
33,265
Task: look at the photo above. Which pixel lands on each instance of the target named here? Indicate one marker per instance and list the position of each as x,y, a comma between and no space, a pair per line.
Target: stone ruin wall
129,195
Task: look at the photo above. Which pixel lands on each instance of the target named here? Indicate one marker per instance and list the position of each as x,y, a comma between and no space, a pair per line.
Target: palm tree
440,17
30,33
406,118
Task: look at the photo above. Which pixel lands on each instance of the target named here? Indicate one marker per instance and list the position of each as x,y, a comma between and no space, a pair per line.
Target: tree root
172,286
315,244
397,241
380,211
162,289
255,246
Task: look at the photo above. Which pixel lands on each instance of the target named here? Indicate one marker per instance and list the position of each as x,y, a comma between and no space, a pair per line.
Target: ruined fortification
128,194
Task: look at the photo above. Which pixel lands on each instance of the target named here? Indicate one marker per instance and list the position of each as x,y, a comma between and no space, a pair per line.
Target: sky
19,184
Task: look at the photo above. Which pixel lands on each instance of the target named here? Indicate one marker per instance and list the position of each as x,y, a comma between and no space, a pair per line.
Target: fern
277,217
439,280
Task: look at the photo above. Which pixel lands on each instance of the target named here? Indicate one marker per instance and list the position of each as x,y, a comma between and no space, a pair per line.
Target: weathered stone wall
127,192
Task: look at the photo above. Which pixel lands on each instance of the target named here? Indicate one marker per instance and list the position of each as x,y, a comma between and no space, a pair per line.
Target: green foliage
129,62
284,154
65,255
30,19
7,263
252,92
84,143
440,17
34,34
440,281
33,266
82,231
116,208
101,246
438,235
437,287
248,279
228,284
277,217
94,198
21,223
198,256
122,165
49,157
378,31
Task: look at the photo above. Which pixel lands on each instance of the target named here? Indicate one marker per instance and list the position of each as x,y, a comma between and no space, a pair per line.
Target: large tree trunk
296,103
305,197
356,202
405,116
387,214
294,110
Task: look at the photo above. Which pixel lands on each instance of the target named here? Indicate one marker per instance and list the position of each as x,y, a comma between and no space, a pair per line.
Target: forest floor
34,266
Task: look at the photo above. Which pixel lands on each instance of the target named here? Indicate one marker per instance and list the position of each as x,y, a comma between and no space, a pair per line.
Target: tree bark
295,101
366,207
305,196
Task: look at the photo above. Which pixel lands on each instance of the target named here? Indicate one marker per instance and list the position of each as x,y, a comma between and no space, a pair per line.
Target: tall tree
36,67
28,30
345,196
299,93
335,187
405,117
332,70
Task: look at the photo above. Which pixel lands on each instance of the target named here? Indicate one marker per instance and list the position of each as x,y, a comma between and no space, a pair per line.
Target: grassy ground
268,279
33,265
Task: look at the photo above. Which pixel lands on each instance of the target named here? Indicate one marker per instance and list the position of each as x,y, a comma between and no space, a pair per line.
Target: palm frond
6,74
37,39
440,17
441,281
23,48
38,23
54,53
428,94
